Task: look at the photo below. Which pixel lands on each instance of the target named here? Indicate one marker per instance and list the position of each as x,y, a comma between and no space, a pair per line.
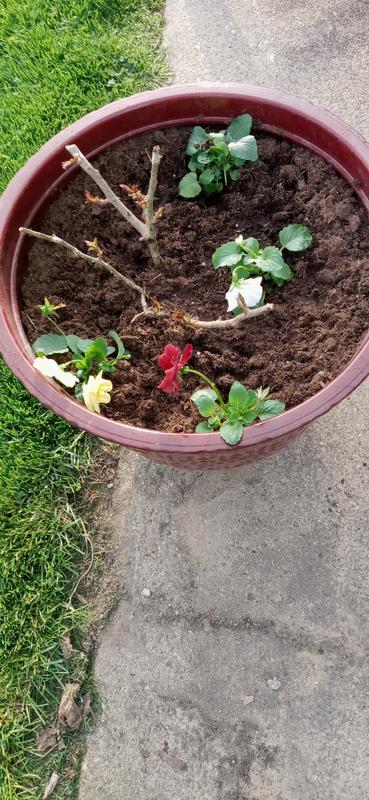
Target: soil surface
319,316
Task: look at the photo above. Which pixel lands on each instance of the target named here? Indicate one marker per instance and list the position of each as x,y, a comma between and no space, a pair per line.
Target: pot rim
66,406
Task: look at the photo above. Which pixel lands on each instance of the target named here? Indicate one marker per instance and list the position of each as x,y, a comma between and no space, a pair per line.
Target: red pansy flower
171,361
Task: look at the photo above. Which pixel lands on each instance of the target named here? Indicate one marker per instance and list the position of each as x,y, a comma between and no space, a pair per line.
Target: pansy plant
216,157
86,356
250,263
242,408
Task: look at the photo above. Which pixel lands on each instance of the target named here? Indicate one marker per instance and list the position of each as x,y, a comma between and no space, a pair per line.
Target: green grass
42,463
62,58
59,59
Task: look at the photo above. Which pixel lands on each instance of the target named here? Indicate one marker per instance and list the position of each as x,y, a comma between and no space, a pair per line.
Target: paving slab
236,666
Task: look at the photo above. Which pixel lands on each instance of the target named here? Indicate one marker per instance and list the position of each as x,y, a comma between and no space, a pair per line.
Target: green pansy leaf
239,397
73,343
227,255
253,245
205,402
271,260
203,158
248,260
245,148
248,418
211,188
240,127
214,422
231,432
50,344
237,162
85,344
78,345
241,273
98,349
234,173
198,136
270,408
204,390
193,164
283,274
203,427
295,238
121,350
219,144
206,177
189,185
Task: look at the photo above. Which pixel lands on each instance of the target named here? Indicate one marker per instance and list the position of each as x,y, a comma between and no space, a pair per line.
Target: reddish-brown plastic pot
29,193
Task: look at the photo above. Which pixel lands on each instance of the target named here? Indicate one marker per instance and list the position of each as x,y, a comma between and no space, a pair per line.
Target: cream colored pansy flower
51,369
96,391
249,288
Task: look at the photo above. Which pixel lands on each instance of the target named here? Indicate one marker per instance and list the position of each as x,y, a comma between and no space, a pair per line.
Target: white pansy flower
250,290
239,239
96,391
51,369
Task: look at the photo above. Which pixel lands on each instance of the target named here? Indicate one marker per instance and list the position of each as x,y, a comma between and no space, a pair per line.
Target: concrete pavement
244,675
319,51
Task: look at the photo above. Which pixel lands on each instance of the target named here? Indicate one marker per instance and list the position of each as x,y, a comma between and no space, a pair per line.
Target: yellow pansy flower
96,391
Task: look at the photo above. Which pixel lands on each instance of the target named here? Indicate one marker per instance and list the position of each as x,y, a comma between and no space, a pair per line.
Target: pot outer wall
33,188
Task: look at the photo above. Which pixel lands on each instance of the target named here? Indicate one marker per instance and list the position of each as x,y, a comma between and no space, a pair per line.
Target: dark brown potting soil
319,316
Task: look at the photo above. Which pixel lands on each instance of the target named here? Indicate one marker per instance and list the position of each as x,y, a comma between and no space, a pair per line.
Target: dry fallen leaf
66,646
173,761
47,739
69,712
51,785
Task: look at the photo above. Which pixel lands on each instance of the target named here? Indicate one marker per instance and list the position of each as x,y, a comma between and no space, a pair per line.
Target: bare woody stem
149,209
147,229
112,198
230,323
97,262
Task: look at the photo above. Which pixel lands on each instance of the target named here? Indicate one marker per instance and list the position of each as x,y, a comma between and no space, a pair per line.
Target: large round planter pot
26,197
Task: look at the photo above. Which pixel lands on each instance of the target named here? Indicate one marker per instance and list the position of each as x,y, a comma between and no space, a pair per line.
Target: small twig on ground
149,312
31,321
97,261
230,323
